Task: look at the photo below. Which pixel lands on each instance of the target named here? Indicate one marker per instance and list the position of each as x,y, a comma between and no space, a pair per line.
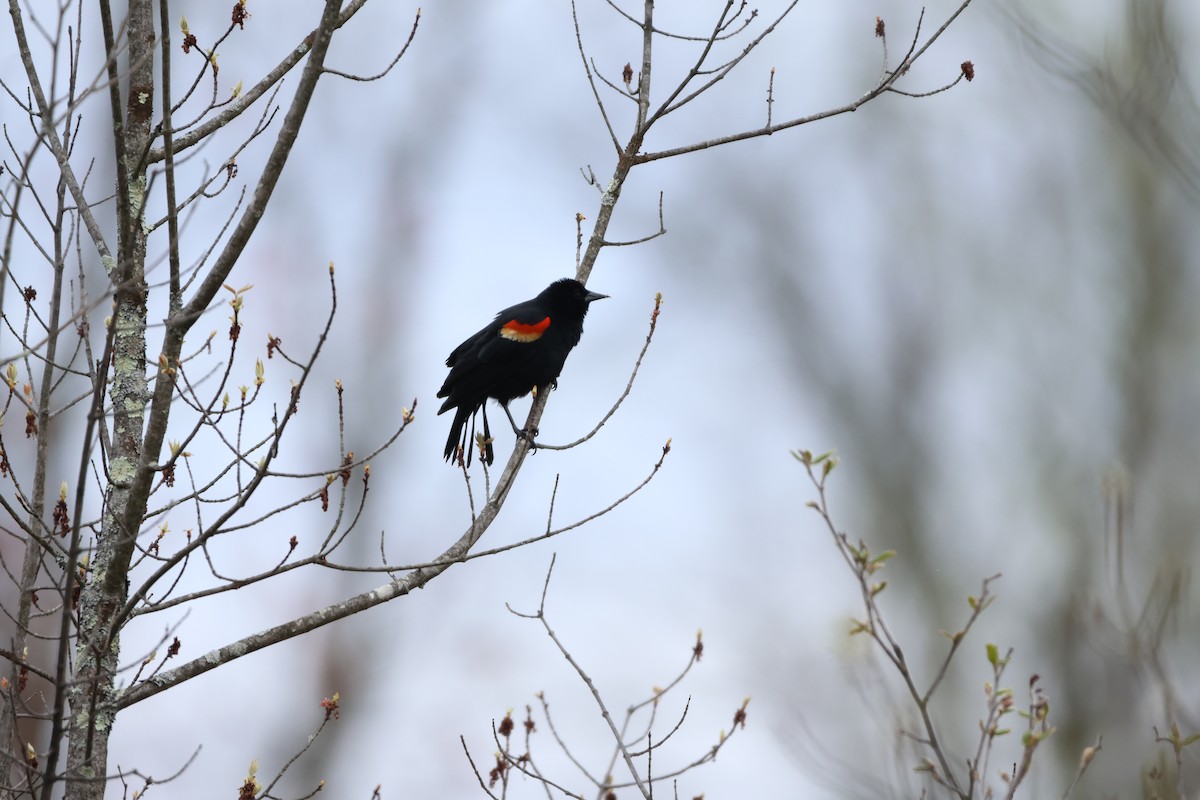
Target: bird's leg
512,421
521,433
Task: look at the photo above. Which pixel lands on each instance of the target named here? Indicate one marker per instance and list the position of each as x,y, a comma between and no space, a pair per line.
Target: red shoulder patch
516,331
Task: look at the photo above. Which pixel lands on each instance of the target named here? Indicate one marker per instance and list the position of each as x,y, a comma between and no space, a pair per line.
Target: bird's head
570,292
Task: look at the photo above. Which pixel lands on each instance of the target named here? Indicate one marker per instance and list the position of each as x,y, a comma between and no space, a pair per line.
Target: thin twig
369,78
1085,760
541,617
637,365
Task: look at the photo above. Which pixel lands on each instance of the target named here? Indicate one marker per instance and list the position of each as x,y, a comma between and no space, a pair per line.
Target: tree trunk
106,588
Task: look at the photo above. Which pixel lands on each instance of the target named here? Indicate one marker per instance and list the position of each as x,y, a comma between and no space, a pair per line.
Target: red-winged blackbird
525,346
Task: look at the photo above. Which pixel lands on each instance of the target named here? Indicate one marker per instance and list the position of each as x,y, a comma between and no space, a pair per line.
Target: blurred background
984,300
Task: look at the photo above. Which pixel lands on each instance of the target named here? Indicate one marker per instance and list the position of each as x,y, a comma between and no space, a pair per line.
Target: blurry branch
937,767
1085,760
1178,743
1148,97
1141,629
625,743
864,565
1140,79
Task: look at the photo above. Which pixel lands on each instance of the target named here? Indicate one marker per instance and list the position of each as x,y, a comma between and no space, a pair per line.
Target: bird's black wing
512,329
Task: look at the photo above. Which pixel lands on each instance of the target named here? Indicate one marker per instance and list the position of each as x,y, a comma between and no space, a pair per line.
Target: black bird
524,347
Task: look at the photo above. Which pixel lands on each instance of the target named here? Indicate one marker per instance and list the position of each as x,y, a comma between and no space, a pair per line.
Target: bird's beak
593,296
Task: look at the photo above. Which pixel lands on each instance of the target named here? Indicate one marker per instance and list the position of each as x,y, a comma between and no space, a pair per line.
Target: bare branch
541,617
628,385
592,81
1085,761
395,61
885,84
202,131
57,149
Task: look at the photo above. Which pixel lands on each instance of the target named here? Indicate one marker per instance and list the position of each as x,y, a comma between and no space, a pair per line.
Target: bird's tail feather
458,435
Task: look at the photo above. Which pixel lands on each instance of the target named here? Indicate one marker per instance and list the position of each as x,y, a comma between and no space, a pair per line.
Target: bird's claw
529,435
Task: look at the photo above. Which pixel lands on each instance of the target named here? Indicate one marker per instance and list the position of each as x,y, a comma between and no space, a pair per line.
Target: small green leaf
824,456
882,557
993,654
1195,737
972,602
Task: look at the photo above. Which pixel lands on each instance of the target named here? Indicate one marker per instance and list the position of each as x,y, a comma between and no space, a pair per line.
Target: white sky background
447,191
